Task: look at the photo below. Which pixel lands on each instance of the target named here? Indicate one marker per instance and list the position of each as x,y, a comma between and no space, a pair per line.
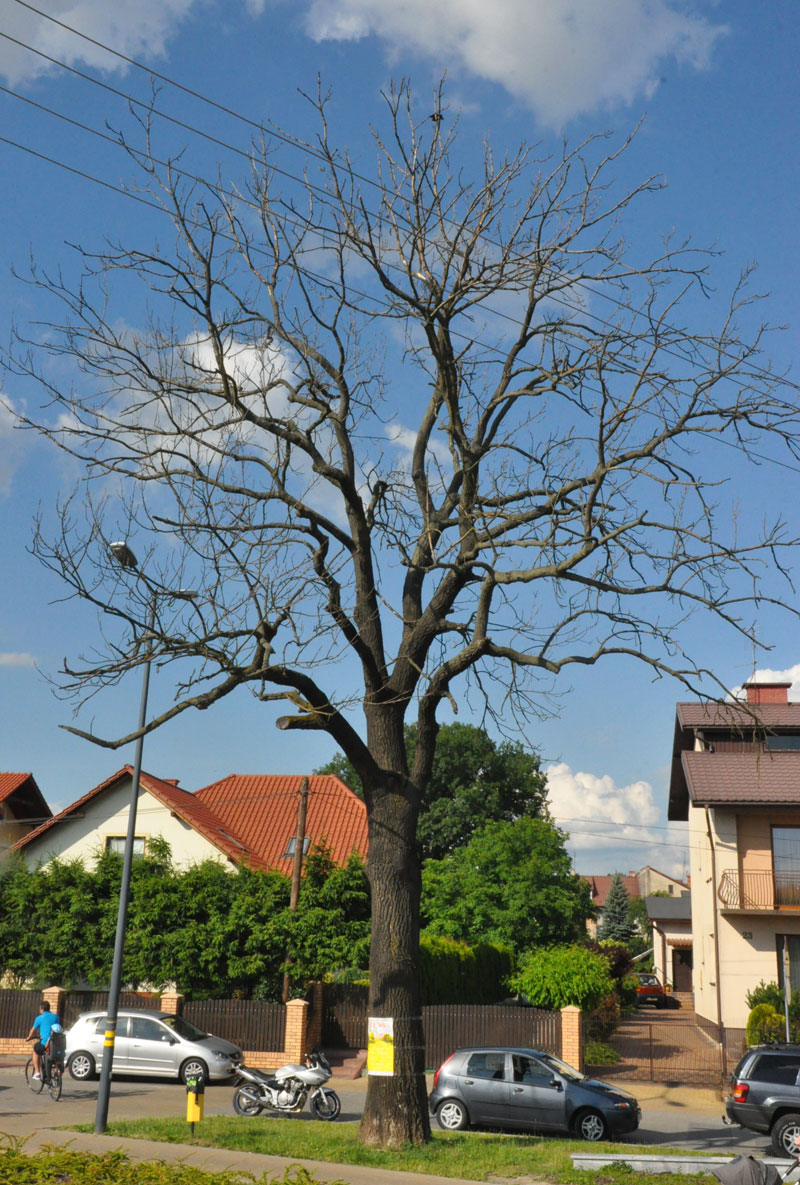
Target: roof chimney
767,693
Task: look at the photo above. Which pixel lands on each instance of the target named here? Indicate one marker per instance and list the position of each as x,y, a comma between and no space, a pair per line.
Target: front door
537,1097
682,968
485,1087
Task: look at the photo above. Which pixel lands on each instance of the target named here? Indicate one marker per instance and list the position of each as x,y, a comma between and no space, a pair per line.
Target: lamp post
125,557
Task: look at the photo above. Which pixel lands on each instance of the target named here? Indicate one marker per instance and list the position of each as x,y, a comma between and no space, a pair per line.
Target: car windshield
556,1064
184,1028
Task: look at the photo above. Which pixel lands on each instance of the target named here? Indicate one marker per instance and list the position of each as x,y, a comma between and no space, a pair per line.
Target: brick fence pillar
314,1023
172,1001
295,1040
54,996
572,1036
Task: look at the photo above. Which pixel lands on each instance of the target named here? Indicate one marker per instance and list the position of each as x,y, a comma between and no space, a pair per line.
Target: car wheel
81,1066
452,1115
193,1067
591,1126
786,1136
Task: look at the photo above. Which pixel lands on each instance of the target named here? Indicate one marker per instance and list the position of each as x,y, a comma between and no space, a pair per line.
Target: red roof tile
601,884
27,794
717,779
738,715
250,819
261,811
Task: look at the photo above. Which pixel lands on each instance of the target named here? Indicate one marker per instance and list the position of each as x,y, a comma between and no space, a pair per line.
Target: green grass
478,1156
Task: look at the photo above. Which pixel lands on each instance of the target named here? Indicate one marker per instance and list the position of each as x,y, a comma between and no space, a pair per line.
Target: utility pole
299,843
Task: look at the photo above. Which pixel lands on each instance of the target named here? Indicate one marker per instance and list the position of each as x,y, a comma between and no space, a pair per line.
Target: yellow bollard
195,1098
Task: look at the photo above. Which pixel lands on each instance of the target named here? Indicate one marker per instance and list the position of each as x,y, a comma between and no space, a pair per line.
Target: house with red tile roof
646,881
241,820
736,779
22,807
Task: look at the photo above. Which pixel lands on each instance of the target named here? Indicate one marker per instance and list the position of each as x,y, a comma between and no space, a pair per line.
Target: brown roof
718,779
27,796
601,884
738,715
261,810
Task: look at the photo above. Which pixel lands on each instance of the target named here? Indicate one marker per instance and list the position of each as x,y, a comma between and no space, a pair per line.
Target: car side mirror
556,1084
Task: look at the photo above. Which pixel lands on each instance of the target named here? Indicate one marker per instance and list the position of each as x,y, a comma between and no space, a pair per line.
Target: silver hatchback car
154,1043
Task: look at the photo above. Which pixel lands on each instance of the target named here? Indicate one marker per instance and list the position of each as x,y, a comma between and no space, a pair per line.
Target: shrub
597,1053
555,976
452,972
763,1024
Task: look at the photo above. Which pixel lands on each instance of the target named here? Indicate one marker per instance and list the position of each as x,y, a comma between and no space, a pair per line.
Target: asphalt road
682,1118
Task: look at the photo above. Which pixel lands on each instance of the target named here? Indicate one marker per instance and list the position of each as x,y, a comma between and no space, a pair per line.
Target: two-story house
736,779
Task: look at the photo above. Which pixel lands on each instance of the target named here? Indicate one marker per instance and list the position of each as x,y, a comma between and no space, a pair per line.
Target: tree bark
396,1107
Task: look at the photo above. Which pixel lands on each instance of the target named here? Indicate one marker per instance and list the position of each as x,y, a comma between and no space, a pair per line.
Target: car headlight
622,1106
222,1057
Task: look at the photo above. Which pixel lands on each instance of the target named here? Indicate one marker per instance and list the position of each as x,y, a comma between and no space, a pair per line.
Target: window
793,941
780,1068
775,743
527,1069
292,844
116,843
145,1029
486,1065
786,864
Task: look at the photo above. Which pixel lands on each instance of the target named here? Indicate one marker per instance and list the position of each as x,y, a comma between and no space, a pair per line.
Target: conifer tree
615,924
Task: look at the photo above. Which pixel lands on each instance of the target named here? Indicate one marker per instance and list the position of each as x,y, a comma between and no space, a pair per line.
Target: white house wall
107,816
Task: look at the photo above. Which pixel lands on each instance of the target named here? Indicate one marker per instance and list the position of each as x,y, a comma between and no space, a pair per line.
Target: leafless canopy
428,435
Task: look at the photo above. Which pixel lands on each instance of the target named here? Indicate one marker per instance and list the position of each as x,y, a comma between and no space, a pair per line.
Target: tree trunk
396,1108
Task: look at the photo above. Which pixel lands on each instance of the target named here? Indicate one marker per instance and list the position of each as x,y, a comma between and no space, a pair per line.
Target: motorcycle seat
260,1074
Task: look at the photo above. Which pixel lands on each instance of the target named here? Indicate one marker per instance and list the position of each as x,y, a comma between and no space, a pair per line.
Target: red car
650,990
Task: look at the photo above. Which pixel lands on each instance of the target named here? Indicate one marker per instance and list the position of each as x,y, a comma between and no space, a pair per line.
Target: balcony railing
759,890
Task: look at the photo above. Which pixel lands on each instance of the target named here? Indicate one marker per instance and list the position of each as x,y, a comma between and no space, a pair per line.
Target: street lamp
125,557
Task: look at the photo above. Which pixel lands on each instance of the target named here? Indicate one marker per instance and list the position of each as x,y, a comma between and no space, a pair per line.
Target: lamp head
123,554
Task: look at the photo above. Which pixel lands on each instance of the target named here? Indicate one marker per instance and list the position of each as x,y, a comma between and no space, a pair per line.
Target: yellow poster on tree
380,1045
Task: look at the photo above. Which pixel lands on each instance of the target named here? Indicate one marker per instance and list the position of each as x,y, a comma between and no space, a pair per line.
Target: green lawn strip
478,1156
65,1166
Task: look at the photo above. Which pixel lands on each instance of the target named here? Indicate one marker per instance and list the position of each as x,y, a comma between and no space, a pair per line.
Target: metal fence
76,1003
673,1050
18,1008
250,1024
448,1026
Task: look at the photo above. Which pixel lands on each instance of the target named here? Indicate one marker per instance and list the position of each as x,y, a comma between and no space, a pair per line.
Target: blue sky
717,87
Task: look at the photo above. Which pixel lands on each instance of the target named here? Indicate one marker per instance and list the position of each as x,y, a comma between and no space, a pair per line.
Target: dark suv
765,1095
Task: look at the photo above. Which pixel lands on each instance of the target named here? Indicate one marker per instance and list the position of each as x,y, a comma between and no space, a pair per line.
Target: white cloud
562,58
767,675
9,659
138,30
12,443
596,812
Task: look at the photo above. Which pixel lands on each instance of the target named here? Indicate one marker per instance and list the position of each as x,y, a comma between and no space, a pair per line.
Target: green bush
597,1053
763,1024
452,972
552,977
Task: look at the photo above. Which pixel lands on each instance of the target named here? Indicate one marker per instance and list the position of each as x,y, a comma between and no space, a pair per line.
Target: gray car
152,1043
530,1090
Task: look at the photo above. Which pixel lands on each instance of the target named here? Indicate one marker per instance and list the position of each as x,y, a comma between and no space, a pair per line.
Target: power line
309,150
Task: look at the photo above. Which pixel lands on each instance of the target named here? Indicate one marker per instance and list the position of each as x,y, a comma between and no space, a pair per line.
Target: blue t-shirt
44,1023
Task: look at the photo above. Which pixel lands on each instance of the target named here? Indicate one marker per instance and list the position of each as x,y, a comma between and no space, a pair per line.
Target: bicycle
52,1075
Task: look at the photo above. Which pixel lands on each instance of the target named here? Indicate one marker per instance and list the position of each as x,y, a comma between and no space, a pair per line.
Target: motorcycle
287,1089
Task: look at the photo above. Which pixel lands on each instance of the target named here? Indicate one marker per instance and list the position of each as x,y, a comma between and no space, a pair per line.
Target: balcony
759,890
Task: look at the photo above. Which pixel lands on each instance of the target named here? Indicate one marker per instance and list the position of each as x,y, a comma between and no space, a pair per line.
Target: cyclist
40,1032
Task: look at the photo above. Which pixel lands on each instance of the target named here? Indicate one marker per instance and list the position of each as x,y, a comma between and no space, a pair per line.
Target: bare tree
433,435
